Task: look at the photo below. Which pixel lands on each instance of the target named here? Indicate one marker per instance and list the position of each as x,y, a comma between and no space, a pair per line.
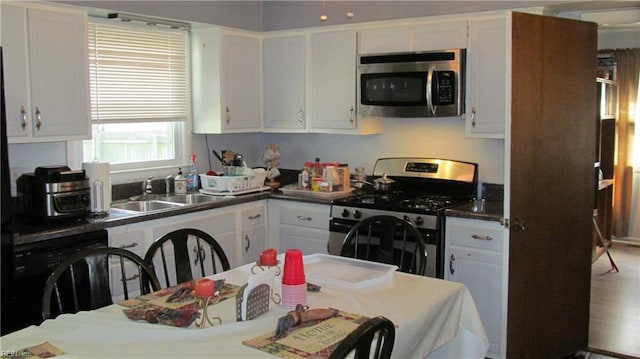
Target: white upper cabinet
414,37
440,36
385,39
284,84
333,80
225,81
486,78
46,74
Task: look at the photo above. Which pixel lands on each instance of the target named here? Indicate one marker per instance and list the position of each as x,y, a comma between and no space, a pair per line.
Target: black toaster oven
53,193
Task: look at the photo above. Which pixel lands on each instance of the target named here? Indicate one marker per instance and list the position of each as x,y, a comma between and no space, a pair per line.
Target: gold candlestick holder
203,304
262,267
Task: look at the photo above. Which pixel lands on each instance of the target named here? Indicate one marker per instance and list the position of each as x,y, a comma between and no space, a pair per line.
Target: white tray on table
344,272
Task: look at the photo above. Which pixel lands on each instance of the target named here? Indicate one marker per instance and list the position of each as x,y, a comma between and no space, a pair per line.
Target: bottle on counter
303,179
192,176
317,168
180,183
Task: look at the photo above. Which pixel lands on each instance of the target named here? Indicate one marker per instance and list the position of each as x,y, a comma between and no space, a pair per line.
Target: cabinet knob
23,118
473,117
482,238
452,258
228,115
130,245
38,118
303,218
301,116
246,248
351,111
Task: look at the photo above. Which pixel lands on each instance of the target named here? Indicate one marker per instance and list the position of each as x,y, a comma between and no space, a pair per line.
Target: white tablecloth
434,319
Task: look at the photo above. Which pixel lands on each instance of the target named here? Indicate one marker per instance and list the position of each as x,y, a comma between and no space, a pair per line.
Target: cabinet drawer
252,216
305,217
475,234
131,240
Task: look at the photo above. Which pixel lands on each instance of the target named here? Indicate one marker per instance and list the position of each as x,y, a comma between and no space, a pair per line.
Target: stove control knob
345,213
419,221
407,218
357,214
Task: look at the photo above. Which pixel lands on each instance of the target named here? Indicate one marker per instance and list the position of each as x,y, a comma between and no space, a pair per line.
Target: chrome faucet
167,184
147,186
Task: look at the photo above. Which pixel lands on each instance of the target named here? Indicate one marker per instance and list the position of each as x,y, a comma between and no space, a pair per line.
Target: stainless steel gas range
423,189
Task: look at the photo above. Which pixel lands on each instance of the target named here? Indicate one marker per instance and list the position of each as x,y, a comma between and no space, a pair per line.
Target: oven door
338,229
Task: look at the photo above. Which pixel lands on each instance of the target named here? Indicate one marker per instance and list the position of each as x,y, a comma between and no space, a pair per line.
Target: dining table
433,318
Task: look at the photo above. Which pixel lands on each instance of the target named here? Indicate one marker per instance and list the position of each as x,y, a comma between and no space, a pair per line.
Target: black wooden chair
191,249
362,338
387,239
87,279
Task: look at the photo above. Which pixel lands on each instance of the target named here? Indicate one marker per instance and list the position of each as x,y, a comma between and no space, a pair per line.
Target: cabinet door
241,82
14,46
284,83
333,80
54,68
481,272
254,241
486,70
308,240
440,36
388,39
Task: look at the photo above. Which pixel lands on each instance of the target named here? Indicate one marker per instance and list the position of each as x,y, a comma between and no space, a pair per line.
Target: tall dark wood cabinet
549,177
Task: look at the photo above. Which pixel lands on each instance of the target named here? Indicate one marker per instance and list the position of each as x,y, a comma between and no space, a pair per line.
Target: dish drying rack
251,181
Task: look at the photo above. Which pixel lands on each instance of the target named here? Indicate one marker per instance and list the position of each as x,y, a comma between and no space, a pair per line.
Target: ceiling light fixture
323,16
149,20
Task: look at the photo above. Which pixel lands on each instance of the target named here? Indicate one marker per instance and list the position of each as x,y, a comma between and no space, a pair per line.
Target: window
139,93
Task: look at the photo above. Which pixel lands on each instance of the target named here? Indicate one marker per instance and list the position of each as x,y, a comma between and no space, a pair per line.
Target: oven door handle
340,227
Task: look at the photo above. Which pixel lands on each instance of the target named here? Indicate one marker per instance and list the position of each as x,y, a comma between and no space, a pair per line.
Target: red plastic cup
293,273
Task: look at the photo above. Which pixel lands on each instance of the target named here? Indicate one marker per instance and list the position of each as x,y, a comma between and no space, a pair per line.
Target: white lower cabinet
473,256
254,232
239,229
299,225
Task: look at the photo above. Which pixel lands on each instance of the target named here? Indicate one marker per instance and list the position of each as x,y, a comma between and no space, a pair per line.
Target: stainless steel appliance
424,188
412,84
53,193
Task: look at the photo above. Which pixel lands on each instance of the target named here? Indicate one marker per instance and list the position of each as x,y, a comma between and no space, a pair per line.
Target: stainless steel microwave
412,84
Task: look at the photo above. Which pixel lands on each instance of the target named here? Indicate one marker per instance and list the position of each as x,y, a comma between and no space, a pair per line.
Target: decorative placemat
44,350
159,299
314,339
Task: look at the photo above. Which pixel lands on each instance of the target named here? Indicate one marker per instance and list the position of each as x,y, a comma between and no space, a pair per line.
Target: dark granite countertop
492,211
27,234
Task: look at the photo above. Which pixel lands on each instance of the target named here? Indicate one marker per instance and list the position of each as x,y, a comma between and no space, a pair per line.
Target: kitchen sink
192,198
145,206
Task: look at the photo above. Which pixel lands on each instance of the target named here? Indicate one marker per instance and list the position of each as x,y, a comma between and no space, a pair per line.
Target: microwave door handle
430,77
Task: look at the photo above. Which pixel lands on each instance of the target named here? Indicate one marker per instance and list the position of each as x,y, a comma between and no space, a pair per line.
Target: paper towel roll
100,182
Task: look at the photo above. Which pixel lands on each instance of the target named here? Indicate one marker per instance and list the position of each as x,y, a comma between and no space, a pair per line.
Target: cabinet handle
228,115
246,248
451,260
255,216
38,118
482,238
473,117
133,277
200,254
301,116
303,218
351,114
127,246
23,122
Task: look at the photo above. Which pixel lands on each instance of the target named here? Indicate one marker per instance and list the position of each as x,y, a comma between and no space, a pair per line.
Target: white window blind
138,73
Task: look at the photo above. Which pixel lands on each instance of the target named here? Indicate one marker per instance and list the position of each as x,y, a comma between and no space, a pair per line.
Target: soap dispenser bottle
180,183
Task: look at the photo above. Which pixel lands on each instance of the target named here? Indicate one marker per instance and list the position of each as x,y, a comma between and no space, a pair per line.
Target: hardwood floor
615,302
